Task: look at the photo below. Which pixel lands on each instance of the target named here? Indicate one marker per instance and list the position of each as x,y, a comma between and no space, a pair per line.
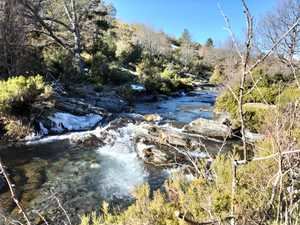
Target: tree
12,37
187,52
209,43
276,23
64,21
154,43
186,36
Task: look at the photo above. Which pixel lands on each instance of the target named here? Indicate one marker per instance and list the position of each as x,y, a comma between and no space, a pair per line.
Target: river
83,177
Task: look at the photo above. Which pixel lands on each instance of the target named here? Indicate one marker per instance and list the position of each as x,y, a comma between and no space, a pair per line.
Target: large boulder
209,128
78,106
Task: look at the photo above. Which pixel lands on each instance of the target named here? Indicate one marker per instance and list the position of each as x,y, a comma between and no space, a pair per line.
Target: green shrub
18,93
218,75
227,103
289,95
264,94
169,73
266,91
118,76
60,62
99,70
16,129
256,115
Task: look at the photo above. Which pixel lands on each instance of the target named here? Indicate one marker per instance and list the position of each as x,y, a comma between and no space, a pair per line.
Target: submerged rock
87,140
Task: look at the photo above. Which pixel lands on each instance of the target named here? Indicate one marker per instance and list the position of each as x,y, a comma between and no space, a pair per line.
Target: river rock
78,106
166,145
87,140
209,128
157,155
112,103
152,118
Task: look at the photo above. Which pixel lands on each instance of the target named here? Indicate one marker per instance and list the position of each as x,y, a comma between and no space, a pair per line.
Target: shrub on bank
218,76
18,93
289,95
18,96
256,115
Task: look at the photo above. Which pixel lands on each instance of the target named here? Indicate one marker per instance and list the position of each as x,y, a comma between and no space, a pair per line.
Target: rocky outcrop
166,145
209,128
78,107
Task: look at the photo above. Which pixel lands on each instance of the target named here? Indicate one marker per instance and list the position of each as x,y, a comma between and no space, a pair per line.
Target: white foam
123,170
137,87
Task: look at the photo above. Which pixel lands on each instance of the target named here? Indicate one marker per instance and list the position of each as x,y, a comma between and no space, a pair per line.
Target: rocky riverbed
81,169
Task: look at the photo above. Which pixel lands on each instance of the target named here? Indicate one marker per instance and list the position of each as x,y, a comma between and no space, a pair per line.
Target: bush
289,95
266,91
99,70
17,94
16,129
199,199
256,115
60,62
227,103
118,76
218,75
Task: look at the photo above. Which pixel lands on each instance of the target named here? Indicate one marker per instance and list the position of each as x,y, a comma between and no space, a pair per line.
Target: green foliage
256,115
266,91
60,63
118,76
16,129
264,94
209,43
226,102
149,67
218,75
18,93
289,95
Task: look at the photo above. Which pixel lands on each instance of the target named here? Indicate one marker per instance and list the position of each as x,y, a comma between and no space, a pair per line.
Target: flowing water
83,177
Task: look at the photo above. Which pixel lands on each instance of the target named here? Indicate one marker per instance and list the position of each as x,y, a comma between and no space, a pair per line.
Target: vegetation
18,95
200,200
73,42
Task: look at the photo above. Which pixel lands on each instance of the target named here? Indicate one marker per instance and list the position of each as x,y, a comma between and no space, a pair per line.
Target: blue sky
201,17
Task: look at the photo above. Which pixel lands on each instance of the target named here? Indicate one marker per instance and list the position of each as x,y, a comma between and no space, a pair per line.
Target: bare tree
155,43
278,22
187,51
63,22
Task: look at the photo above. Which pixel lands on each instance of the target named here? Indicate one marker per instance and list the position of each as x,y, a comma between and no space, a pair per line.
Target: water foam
122,169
